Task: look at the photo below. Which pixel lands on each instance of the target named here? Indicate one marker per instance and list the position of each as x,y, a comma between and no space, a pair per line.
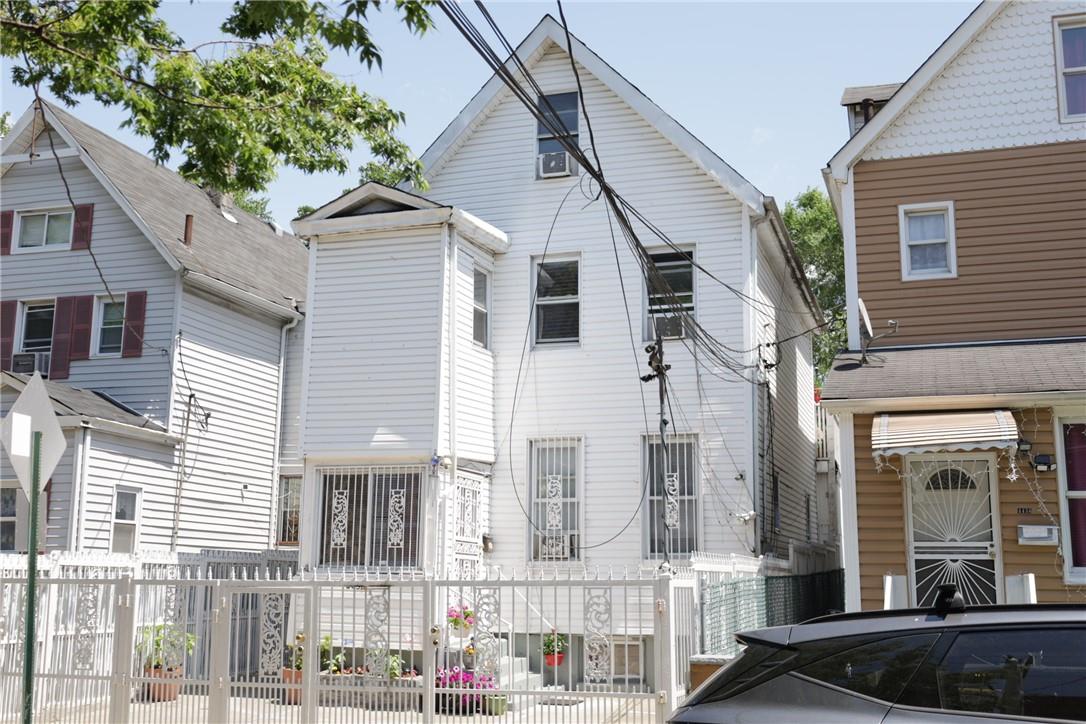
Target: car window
1032,673
879,669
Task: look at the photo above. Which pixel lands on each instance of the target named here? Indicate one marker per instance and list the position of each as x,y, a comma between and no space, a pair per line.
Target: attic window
551,157
1071,67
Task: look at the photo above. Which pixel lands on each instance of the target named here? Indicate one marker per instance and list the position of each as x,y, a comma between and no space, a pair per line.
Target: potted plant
469,700
164,647
292,670
554,648
496,704
460,619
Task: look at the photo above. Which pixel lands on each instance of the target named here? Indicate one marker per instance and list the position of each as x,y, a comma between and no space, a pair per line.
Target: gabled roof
860,93
549,31
248,256
73,401
371,197
916,84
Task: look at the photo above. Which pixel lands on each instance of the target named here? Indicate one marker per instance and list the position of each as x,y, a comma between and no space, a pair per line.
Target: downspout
750,228
79,491
454,273
277,440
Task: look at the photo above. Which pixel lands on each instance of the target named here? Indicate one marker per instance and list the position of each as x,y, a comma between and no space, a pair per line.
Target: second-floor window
670,294
37,327
927,241
1071,67
557,301
480,326
45,229
110,331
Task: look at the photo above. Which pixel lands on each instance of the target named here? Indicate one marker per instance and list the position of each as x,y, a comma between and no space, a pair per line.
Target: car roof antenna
949,599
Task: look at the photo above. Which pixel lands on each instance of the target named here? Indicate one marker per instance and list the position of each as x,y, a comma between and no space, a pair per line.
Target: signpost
35,443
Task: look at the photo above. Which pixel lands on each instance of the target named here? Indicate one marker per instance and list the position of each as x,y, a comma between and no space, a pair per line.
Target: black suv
947,665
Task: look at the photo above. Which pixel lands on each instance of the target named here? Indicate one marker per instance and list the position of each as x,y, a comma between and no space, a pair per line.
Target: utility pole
670,510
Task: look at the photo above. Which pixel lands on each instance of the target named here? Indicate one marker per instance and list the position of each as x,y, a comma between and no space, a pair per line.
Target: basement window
927,241
1071,67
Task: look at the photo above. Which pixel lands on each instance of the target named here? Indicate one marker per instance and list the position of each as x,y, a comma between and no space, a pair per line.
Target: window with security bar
370,515
670,294
671,518
556,482
290,508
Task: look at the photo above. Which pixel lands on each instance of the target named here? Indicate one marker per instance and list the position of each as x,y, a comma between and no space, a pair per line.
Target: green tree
5,123
814,230
255,205
238,107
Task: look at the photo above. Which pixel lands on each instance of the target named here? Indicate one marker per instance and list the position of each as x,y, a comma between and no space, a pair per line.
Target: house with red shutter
159,314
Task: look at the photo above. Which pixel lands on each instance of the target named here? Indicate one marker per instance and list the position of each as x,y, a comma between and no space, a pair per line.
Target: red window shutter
84,221
7,332
60,354
7,222
135,309
81,327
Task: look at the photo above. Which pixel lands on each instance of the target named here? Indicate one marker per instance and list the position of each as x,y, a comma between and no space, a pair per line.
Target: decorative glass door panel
952,530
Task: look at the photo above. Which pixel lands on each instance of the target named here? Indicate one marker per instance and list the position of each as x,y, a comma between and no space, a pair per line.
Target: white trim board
550,30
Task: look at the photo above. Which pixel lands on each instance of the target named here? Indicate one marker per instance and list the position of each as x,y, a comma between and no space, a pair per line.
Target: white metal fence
173,645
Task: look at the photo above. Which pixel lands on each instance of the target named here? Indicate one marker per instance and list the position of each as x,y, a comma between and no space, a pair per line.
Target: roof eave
951,402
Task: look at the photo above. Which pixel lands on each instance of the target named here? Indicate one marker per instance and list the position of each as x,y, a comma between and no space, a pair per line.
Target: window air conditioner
554,164
27,363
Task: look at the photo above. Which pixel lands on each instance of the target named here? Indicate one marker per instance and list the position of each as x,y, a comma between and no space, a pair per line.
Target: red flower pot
554,660
292,695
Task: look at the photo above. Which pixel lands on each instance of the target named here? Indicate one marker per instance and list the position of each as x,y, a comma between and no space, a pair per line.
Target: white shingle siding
999,92
373,347
230,361
592,389
130,263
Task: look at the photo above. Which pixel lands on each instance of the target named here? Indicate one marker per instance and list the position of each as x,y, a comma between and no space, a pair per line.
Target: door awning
907,434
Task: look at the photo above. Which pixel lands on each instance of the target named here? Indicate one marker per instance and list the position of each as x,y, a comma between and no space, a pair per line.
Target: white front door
953,527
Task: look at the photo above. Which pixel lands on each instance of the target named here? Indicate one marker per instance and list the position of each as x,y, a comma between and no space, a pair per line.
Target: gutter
229,291
950,402
118,428
277,441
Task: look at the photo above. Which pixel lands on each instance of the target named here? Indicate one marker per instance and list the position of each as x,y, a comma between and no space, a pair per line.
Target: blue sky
759,83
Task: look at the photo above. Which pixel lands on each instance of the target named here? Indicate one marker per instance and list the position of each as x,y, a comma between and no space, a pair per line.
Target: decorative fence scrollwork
597,626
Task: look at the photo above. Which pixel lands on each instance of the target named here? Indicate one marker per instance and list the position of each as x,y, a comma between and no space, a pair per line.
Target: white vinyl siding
130,263
593,387
928,250
229,359
371,378
475,431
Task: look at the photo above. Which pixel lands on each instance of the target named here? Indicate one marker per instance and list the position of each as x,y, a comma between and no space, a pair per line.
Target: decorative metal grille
556,484
671,520
271,633
487,650
376,633
86,626
597,627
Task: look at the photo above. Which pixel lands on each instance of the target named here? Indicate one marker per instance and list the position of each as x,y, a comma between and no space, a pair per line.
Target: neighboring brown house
962,198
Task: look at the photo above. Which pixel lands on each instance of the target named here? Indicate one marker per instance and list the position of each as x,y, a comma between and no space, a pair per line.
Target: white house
469,386
166,375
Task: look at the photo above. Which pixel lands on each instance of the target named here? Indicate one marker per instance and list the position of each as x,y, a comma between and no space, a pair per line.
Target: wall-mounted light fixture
1024,446
1042,463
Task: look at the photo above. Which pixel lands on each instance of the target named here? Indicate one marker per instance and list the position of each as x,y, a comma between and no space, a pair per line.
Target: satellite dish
867,330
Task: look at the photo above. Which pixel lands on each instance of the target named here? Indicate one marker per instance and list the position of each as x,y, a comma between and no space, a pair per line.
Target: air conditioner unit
27,363
554,164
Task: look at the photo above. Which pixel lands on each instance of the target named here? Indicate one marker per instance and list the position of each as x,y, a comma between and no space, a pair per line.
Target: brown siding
1020,226
880,508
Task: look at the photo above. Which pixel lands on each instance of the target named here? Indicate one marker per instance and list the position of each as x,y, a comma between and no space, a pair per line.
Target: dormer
863,101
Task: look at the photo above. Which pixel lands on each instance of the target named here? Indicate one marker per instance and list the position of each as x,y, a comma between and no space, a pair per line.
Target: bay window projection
557,301
556,479
370,515
671,519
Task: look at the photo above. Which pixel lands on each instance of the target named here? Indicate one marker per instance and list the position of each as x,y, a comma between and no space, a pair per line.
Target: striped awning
907,434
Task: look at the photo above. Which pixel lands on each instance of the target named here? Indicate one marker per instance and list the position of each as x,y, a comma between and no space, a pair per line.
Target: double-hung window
556,482
370,515
670,294
927,241
45,230
290,509
1071,67
480,325
110,332
672,515
560,109
1072,473
9,507
37,326
125,520
557,301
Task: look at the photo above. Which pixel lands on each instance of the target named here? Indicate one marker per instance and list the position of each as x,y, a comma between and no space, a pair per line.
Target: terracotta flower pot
554,660
292,695
168,689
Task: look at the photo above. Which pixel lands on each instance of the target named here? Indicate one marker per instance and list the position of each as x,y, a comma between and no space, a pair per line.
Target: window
879,669
1025,673
45,229
627,660
1072,474
555,477
110,326
8,517
950,479
564,117
1071,67
125,520
927,241
37,327
672,517
370,515
670,294
290,508
480,329
557,301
